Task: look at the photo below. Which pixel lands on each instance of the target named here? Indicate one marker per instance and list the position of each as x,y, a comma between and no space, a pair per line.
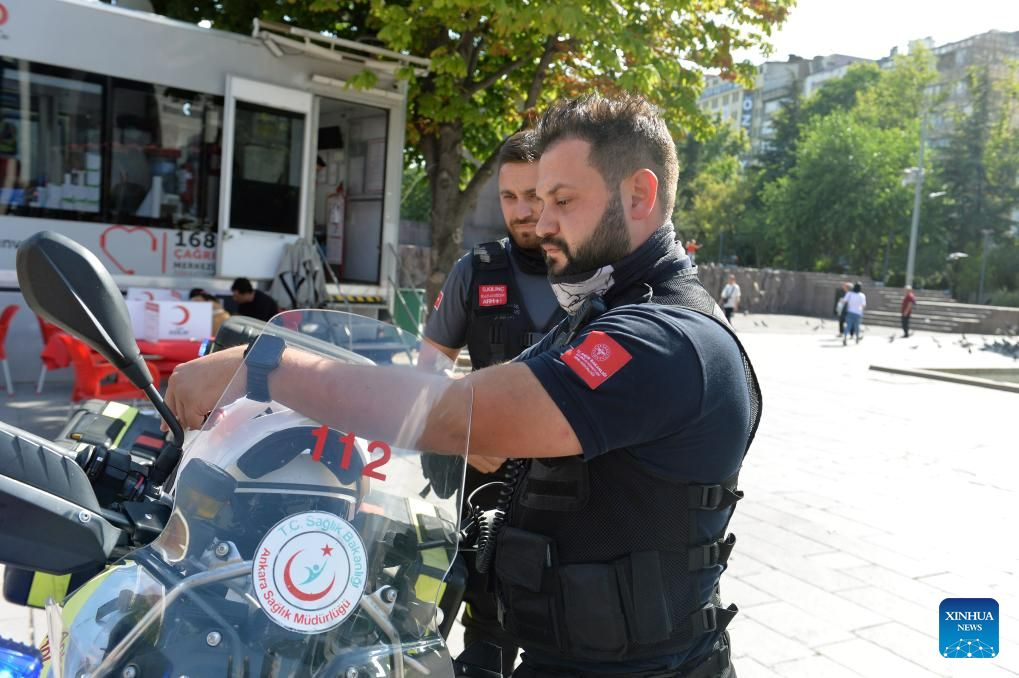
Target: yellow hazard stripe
359,299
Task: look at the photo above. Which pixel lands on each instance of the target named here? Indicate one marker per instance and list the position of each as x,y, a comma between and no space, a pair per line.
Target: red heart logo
109,237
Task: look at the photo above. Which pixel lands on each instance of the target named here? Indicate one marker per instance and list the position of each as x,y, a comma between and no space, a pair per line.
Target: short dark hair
242,285
518,148
626,134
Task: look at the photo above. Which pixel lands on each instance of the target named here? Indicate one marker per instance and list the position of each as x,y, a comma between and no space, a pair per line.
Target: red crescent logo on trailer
187,315
4,14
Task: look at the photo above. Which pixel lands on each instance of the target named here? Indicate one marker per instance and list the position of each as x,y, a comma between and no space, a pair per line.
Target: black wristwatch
261,358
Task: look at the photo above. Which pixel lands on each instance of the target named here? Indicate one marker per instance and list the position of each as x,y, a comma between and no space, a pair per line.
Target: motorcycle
268,543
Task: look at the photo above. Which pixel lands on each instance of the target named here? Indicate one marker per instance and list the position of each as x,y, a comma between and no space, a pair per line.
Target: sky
870,28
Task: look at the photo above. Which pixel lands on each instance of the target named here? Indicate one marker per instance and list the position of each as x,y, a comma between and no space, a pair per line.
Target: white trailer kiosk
185,157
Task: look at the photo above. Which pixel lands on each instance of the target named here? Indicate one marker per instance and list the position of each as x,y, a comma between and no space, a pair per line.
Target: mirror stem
171,452
157,400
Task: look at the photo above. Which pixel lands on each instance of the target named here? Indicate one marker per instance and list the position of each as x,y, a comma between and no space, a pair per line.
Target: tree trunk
443,160
444,155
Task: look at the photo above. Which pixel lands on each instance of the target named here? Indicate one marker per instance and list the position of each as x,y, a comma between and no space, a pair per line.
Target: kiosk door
266,173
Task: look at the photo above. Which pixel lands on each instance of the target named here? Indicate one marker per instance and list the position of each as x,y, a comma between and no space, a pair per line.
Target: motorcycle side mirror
68,286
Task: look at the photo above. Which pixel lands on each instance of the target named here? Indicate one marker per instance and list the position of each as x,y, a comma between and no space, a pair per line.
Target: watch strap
261,358
258,385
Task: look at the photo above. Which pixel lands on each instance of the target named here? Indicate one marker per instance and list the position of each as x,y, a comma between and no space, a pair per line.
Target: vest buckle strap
709,555
712,618
532,338
712,497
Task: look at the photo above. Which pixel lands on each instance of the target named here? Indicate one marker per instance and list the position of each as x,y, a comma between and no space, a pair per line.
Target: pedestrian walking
731,294
840,306
691,250
908,304
855,303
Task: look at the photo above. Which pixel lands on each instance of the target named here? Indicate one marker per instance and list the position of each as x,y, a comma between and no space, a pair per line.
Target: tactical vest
499,328
597,558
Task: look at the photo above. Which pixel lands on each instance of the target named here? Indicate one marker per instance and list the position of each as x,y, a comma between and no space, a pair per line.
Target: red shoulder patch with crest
597,358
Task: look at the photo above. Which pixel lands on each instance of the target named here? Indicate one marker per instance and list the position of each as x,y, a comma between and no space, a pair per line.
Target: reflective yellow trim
427,587
118,411
45,585
74,605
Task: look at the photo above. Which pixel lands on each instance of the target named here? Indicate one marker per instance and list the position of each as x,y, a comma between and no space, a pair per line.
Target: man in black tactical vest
634,415
497,301
612,551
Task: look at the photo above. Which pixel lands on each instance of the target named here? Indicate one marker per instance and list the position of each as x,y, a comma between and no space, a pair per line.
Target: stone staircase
934,312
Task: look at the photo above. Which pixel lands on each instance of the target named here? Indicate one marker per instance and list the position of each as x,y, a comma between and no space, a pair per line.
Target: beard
523,235
609,243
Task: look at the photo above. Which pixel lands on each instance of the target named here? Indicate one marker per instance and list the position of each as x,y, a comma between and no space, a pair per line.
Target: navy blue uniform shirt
680,403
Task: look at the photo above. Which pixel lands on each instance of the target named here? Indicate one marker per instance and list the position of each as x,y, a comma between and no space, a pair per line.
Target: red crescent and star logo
310,571
298,593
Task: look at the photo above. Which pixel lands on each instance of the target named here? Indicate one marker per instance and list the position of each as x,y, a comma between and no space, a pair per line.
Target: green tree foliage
827,192
838,94
716,205
415,199
833,196
977,171
834,207
697,153
494,64
961,170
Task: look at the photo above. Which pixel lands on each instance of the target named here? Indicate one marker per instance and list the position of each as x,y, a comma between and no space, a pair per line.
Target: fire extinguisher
336,217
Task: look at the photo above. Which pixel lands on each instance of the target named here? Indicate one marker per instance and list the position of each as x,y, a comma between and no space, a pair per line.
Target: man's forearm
405,408
428,412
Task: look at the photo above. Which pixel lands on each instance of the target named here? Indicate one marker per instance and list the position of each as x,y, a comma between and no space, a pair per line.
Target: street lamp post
983,265
914,227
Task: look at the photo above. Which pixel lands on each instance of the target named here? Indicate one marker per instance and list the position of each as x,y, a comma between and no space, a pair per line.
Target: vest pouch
595,626
527,601
556,484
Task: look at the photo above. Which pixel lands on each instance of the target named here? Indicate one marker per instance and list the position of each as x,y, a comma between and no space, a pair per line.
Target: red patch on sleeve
438,301
492,295
597,359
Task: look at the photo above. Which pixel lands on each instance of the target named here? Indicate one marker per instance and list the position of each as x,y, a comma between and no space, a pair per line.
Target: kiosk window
50,141
164,161
267,167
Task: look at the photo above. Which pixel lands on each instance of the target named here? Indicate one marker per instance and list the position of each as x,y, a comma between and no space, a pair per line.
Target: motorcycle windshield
305,537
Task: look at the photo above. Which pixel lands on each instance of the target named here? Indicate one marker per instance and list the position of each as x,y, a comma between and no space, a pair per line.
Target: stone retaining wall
769,290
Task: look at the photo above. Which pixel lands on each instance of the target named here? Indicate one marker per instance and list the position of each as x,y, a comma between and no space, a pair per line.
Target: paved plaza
870,497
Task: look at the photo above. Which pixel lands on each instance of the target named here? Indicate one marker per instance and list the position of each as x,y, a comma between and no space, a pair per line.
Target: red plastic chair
48,331
91,373
5,324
